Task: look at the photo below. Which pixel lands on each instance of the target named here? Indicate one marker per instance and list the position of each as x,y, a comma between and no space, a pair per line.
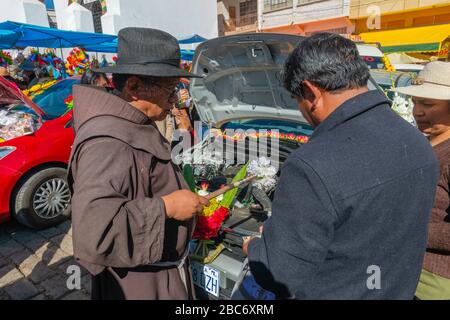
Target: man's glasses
172,93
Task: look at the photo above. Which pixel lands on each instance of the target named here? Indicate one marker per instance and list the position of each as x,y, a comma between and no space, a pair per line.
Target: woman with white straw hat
431,96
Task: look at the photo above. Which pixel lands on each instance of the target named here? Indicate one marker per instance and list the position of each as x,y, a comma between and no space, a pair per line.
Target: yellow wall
408,19
358,8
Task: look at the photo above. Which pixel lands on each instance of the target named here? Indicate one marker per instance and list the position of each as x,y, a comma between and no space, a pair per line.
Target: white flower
266,173
404,108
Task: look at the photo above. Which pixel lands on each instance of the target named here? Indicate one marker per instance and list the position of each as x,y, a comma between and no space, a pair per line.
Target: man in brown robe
132,212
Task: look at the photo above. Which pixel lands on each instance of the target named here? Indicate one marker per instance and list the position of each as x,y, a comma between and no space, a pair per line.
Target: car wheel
43,200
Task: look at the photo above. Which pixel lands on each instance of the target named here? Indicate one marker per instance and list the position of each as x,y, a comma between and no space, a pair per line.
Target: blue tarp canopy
191,39
6,38
21,35
110,47
28,35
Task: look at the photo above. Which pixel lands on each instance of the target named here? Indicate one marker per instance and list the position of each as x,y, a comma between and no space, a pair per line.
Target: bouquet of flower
211,219
259,172
402,106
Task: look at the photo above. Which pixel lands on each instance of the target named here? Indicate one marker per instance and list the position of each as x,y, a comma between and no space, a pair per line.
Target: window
248,12
271,5
51,101
337,31
300,2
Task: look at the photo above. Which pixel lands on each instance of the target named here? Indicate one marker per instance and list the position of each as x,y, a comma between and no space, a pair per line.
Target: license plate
206,277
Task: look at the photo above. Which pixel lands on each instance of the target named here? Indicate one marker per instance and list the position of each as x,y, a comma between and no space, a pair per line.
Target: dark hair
91,77
327,60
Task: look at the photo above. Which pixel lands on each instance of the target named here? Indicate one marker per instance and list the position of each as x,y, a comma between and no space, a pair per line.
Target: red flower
208,227
68,100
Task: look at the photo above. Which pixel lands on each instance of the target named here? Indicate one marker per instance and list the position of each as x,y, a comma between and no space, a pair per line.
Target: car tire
41,200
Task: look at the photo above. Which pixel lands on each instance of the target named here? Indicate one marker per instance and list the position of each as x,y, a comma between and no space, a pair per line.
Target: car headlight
4,151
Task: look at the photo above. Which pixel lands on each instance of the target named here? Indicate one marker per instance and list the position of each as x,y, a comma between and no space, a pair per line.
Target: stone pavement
33,264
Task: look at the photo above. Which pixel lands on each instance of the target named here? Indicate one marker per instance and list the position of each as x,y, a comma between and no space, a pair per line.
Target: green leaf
229,196
188,175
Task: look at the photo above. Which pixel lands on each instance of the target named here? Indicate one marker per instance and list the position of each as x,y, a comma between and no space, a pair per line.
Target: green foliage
229,196
188,175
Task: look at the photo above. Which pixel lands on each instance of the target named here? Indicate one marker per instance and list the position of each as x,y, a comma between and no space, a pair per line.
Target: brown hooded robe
120,167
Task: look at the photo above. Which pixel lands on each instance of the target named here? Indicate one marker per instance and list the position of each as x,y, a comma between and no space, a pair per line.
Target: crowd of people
362,211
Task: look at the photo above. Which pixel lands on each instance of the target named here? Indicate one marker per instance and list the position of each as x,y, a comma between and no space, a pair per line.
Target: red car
35,143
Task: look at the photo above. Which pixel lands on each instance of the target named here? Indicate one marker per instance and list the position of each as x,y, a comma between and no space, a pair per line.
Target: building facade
398,14
237,16
24,11
302,17
95,7
417,27
305,17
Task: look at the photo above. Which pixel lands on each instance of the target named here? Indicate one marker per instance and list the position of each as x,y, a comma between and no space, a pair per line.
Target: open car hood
11,95
242,78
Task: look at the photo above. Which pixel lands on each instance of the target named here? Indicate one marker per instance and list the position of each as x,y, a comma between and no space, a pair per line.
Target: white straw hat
433,82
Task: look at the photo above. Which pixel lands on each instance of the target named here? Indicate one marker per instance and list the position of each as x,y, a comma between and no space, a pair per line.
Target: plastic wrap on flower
15,124
265,172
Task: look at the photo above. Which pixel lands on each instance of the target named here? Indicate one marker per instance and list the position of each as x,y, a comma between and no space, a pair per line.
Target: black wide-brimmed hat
148,52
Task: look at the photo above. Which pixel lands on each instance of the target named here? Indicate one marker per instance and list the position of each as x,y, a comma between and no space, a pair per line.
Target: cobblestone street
33,264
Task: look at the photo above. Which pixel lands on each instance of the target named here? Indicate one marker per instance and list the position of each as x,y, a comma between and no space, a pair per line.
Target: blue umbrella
36,36
7,39
109,47
191,39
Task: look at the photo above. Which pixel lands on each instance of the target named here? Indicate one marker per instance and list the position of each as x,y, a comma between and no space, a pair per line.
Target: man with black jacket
351,209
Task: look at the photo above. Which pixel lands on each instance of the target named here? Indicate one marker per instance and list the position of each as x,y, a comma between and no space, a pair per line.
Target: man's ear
132,86
311,93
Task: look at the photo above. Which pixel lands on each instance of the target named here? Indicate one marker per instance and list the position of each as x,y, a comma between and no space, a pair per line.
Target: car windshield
51,101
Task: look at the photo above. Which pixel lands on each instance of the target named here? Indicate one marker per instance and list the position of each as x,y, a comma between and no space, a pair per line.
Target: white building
24,11
73,17
305,16
177,17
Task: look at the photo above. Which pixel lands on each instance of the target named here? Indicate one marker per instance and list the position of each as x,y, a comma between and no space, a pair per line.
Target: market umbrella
7,39
195,38
27,35
109,47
